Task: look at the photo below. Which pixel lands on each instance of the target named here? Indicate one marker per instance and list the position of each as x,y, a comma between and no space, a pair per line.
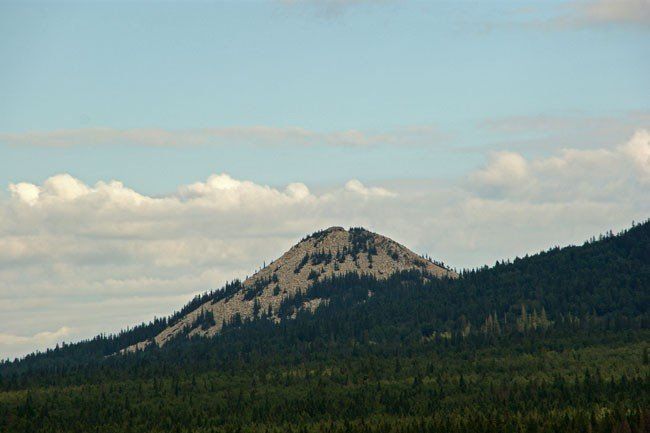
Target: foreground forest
553,342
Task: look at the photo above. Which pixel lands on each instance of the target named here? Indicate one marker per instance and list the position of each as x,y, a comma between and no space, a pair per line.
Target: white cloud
225,192
356,187
41,337
94,258
505,169
638,148
11,343
25,192
227,136
65,187
594,174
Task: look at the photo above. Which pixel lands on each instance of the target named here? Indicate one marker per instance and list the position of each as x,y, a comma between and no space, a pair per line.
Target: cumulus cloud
25,192
356,187
244,135
638,148
505,169
46,336
95,258
581,173
224,191
38,341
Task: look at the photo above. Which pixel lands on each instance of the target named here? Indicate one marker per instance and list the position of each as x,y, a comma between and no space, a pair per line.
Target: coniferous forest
555,342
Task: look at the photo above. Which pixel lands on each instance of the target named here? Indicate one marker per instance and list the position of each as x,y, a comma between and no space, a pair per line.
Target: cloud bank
79,259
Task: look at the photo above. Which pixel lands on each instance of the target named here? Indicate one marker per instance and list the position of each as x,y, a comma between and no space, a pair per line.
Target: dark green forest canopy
577,384
557,341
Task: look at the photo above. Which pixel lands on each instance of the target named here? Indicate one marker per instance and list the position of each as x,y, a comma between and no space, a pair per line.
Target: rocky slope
327,253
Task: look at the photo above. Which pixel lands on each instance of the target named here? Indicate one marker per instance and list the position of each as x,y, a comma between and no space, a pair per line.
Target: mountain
556,341
325,254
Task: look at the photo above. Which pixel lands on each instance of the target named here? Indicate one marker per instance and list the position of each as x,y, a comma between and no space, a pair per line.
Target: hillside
557,341
325,254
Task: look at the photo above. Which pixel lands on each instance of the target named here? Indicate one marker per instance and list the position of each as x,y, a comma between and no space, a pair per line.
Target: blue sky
150,151
361,66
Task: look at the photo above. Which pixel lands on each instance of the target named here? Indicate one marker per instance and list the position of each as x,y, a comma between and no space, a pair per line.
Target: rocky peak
326,253
335,251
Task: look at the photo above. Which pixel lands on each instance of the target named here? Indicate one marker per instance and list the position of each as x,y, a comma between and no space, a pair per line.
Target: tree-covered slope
553,342
603,284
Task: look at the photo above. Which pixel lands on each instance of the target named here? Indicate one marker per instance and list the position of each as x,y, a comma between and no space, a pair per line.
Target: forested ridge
557,341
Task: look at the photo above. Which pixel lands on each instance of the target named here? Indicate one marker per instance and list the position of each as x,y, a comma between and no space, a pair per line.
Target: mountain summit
326,253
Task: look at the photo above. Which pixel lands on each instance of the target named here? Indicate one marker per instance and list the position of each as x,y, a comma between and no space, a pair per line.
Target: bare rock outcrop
331,252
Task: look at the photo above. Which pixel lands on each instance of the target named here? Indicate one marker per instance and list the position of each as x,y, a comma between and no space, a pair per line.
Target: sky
150,151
